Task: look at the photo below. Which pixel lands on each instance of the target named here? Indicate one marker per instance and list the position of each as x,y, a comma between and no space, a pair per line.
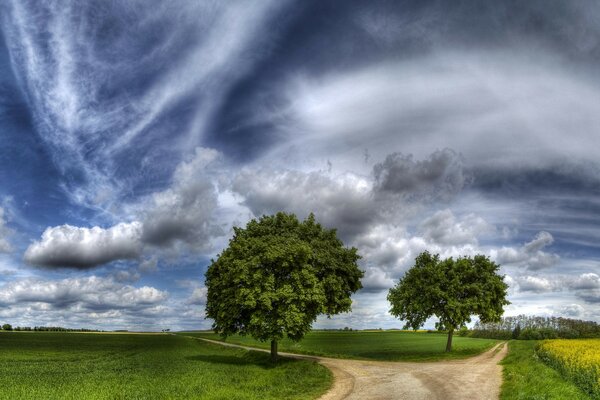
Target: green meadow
370,345
47,365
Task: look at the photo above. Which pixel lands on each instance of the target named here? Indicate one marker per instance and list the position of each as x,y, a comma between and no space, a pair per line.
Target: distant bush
9,327
536,328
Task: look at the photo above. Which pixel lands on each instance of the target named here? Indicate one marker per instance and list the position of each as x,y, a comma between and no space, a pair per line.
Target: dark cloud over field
135,135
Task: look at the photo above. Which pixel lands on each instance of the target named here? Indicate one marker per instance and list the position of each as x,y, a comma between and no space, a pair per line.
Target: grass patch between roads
45,365
378,345
527,378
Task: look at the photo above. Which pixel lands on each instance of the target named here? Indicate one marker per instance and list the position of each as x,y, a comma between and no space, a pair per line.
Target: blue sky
135,136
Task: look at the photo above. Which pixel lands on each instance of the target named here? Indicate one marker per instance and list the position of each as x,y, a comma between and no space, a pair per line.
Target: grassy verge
98,366
378,345
527,378
575,359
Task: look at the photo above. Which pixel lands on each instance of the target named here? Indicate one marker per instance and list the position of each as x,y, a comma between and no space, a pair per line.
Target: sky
134,136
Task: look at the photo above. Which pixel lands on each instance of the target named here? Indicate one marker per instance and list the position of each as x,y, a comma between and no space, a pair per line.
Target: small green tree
452,290
7,327
277,275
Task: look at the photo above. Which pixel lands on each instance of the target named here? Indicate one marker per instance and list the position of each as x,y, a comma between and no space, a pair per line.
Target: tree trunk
274,351
449,342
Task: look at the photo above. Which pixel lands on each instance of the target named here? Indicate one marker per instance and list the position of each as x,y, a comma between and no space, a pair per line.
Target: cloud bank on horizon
135,137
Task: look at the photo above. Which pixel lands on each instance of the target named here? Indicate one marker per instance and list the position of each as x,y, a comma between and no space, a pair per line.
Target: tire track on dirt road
475,378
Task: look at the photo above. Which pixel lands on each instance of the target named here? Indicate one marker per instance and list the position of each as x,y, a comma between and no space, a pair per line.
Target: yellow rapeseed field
576,359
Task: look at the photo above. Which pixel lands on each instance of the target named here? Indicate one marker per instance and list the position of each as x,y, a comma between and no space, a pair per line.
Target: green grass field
44,365
373,345
527,378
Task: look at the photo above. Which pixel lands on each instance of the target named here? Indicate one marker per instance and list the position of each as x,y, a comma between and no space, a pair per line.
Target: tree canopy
277,275
452,290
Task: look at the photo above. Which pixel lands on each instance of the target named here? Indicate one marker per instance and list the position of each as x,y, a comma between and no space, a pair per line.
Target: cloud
5,232
126,276
443,228
70,246
531,255
536,284
343,202
496,107
586,281
441,176
99,98
88,294
198,296
149,265
184,212
570,311
181,213
376,280
587,287
389,250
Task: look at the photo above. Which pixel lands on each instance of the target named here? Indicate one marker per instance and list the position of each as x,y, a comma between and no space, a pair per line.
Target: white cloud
149,265
531,255
536,284
67,87
5,232
344,202
70,246
198,296
586,281
444,228
376,280
89,294
184,212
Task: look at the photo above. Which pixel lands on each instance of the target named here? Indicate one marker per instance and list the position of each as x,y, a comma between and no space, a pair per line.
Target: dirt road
476,378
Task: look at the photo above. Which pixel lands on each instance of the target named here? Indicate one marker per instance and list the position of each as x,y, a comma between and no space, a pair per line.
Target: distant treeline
9,327
535,328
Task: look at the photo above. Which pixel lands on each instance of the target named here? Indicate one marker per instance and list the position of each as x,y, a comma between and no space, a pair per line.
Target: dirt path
476,378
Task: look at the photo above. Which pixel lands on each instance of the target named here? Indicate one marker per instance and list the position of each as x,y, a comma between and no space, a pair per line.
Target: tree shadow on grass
255,358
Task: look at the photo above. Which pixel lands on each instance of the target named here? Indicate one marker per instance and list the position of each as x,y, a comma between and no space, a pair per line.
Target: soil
475,378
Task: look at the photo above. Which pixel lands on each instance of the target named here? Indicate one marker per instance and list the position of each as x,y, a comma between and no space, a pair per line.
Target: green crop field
371,345
44,365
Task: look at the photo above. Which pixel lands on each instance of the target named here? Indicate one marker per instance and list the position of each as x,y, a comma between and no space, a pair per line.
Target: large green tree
277,275
453,290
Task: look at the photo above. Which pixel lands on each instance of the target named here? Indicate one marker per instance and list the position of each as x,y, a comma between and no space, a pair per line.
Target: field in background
48,365
371,345
526,377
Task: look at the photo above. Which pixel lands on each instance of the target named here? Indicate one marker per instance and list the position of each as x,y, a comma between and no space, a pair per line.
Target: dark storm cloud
323,39
439,177
344,202
354,203
562,197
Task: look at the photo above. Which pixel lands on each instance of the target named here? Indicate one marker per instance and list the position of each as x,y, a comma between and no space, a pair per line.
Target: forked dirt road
475,378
